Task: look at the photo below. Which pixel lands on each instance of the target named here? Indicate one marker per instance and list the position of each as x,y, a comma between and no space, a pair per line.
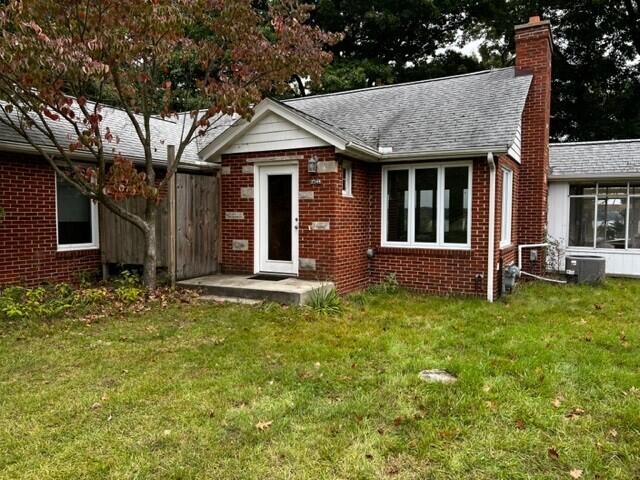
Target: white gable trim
268,107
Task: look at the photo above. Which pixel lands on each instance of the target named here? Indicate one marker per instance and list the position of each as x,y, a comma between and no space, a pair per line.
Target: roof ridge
395,85
594,142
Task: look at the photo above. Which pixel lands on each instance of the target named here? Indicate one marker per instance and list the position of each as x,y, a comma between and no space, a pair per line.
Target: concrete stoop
290,291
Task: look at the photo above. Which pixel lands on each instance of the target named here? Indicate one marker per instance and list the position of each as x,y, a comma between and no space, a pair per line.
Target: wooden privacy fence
197,222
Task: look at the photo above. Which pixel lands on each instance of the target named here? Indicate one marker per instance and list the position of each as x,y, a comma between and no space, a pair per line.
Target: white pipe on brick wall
492,225
531,245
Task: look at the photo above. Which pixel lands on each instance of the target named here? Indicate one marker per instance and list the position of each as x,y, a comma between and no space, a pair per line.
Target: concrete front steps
290,291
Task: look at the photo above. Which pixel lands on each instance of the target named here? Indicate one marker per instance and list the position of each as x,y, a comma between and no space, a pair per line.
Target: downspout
492,223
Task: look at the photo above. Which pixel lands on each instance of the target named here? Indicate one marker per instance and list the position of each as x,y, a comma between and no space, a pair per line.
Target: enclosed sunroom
594,202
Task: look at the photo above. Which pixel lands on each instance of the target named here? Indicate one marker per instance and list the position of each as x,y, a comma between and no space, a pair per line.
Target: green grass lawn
549,382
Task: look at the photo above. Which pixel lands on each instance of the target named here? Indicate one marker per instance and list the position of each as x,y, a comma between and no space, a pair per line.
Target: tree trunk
150,248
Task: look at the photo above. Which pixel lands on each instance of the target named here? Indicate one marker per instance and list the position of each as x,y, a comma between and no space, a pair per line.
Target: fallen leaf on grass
393,470
520,425
96,406
262,426
635,391
613,433
575,473
553,453
623,339
574,413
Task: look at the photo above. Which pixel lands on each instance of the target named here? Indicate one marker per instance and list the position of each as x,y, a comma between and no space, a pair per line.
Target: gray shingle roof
482,109
163,132
595,159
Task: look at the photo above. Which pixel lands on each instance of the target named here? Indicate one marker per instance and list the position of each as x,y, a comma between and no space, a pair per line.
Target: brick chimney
533,56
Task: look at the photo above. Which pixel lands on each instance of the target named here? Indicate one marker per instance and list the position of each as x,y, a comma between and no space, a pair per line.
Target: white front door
276,210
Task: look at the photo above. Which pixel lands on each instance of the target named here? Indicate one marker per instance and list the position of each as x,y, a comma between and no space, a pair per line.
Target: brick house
437,182
49,232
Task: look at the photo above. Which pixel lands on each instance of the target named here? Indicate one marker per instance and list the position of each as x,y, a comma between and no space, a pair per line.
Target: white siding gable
273,132
514,150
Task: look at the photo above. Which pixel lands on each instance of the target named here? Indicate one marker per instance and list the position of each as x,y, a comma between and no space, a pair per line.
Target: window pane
613,190
634,222
583,189
582,211
426,205
612,216
456,204
347,174
634,189
74,215
397,205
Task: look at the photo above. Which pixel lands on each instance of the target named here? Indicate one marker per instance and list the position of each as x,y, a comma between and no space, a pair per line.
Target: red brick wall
437,270
354,229
313,244
533,55
28,241
341,252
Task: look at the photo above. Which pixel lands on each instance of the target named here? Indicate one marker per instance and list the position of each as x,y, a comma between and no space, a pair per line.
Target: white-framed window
76,218
347,178
507,207
427,205
604,215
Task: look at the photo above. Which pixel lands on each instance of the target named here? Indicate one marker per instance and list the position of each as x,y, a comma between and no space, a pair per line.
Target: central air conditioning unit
588,269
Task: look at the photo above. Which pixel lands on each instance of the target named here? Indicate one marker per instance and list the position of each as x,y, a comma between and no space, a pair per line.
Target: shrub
388,285
128,287
325,301
40,302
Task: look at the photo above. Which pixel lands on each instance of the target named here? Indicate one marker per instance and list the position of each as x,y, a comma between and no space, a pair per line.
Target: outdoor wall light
312,166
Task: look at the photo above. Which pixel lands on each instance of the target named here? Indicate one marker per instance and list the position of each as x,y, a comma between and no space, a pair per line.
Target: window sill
426,246
77,248
347,195
594,250
506,246
434,251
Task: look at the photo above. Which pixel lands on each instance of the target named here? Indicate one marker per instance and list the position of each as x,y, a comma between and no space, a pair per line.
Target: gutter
591,176
87,157
492,222
425,155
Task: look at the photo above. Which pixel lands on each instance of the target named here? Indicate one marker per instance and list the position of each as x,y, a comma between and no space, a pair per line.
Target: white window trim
507,208
595,196
347,171
95,228
440,244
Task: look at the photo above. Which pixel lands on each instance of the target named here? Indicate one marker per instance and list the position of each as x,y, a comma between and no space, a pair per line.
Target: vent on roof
385,149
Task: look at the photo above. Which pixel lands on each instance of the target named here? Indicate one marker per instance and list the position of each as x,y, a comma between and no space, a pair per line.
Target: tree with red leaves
60,62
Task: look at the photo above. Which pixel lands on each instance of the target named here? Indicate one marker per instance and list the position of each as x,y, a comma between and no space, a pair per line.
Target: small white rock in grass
437,376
